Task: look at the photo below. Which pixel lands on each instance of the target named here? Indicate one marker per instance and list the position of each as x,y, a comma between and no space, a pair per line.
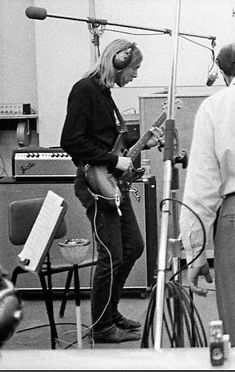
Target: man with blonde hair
91,129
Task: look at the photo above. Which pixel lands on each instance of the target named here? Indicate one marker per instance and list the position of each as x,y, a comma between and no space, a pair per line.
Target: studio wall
68,50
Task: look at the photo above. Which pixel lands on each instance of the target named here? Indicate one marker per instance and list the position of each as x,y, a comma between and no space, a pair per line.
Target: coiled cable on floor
191,322
181,319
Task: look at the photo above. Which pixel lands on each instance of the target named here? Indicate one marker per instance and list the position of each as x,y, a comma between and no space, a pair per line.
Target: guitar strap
121,123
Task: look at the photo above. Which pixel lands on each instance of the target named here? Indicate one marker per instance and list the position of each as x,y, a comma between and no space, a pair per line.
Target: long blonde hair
104,67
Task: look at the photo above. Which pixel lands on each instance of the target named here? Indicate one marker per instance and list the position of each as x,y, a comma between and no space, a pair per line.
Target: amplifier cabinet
42,162
151,106
142,275
78,226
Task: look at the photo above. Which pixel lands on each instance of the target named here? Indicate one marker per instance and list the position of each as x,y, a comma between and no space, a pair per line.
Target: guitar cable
116,198
96,197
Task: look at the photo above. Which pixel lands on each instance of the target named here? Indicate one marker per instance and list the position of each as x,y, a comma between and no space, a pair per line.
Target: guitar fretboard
140,144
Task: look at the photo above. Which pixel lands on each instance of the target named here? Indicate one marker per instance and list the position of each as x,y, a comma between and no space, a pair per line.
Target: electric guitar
109,185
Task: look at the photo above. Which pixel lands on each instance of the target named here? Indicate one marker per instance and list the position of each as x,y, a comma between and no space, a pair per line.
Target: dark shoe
127,324
115,336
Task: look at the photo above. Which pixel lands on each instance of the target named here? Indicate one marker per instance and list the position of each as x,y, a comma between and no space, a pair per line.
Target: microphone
34,12
211,78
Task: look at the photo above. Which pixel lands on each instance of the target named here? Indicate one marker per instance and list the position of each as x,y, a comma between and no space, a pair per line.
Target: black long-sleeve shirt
90,128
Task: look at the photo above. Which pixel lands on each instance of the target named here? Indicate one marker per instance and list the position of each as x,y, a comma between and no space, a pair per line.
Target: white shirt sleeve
201,192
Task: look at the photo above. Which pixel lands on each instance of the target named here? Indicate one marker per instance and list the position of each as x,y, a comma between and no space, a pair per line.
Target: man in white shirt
210,191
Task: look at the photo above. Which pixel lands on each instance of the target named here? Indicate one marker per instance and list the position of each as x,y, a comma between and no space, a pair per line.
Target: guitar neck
141,143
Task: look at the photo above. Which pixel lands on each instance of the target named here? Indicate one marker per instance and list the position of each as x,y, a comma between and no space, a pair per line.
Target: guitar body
103,183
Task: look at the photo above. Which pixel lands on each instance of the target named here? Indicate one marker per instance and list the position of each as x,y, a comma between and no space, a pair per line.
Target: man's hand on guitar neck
124,163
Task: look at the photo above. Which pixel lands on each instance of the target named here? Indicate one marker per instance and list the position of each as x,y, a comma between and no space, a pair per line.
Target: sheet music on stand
40,238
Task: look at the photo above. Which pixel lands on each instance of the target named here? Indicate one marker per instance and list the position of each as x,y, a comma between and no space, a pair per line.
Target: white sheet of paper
39,239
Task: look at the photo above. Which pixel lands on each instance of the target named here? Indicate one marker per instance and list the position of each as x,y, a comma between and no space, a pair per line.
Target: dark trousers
119,245
224,263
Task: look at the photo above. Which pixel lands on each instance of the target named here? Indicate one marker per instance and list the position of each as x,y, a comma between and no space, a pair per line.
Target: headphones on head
123,58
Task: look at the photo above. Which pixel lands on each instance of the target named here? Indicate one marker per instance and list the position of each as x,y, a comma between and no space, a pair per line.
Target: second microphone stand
167,181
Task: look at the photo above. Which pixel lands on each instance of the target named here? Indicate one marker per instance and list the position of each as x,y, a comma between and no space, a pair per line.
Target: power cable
191,323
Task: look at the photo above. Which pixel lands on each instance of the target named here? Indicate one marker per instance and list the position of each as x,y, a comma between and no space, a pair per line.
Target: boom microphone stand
167,178
37,13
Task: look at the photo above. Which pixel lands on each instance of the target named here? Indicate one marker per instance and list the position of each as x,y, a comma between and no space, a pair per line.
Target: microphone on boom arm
214,70
34,12
212,78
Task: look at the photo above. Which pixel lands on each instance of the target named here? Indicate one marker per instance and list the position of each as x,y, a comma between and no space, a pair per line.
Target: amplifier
42,162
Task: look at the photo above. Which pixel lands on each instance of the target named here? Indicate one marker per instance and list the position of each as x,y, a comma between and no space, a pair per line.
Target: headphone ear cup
122,59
